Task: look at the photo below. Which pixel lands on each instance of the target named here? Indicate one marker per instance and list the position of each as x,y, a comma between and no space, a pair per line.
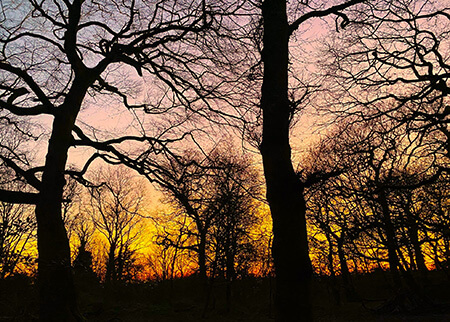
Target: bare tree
392,71
17,223
432,202
395,68
216,212
17,231
284,189
169,260
235,184
82,237
53,56
369,207
117,204
184,182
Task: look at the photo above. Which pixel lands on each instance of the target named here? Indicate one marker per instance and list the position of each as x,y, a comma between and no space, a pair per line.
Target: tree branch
18,197
323,13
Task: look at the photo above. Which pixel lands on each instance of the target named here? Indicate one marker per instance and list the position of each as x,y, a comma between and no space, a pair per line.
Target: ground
183,301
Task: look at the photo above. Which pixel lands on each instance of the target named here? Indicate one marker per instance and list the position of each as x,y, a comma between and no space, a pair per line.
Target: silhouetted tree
17,223
56,54
395,68
184,182
330,208
235,185
217,194
17,231
284,189
83,230
117,203
432,202
370,202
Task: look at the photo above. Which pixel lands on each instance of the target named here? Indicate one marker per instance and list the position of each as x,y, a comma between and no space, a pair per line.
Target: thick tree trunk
58,300
284,190
57,291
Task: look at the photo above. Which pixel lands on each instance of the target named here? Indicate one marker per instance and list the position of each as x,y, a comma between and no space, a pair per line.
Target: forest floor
183,301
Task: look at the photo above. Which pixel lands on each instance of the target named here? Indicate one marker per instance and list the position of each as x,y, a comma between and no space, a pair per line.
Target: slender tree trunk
202,259
411,264
230,274
413,234
284,190
350,292
172,270
57,292
333,279
420,259
391,241
330,255
403,262
110,275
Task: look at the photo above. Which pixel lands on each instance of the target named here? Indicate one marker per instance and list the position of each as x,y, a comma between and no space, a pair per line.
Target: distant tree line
215,221
385,207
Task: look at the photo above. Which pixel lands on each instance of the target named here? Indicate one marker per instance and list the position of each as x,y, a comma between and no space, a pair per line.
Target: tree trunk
419,258
391,241
284,190
333,279
350,292
230,273
57,292
110,275
330,255
202,259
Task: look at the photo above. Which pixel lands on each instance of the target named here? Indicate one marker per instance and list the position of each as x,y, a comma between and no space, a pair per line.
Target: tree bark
57,292
58,300
284,189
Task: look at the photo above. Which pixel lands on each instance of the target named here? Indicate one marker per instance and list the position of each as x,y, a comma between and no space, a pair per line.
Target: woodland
224,160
